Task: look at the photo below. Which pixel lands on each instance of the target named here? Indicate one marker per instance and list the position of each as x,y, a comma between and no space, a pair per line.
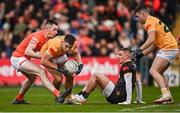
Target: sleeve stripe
52,50
151,30
34,39
33,42
48,53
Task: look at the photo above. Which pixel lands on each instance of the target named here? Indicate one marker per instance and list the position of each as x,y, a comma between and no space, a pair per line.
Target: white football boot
79,99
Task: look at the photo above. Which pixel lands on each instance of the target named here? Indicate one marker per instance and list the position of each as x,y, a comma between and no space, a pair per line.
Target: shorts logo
118,93
125,68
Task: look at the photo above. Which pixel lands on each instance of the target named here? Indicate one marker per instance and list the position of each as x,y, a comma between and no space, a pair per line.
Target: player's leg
159,64
57,78
96,79
24,88
69,84
32,68
162,70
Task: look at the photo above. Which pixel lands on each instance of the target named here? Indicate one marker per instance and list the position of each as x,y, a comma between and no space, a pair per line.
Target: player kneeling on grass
54,57
119,93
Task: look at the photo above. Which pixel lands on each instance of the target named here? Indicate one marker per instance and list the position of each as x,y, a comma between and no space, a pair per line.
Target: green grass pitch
43,101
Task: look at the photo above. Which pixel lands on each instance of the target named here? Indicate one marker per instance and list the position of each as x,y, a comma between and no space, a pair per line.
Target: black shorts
118,95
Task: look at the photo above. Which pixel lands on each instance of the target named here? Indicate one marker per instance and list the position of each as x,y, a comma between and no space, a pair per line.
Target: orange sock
20,96
56,92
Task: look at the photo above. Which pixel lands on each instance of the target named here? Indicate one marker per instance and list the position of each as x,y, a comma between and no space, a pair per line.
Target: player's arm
30,49
46,61
147,47
149,41
128,80
77,57
148,50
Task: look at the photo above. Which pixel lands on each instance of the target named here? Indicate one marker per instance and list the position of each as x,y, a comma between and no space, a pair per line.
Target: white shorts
60,59
108,89
168,54
17,61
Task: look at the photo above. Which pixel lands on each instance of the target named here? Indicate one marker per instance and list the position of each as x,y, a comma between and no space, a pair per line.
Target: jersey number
166,29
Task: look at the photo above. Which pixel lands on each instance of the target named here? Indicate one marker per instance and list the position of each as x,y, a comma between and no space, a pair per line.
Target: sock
56,92
20,96
139,90
169,93
84,94
164,92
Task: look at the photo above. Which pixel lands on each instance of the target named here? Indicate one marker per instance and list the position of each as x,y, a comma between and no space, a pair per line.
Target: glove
62,70
80,67
136,54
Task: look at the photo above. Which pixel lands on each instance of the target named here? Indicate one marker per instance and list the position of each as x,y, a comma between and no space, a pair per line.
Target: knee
41,72
152,71
69,78
96,75
32,79
58,79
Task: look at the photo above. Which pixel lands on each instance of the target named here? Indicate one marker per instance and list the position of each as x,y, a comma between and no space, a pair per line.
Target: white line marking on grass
141,108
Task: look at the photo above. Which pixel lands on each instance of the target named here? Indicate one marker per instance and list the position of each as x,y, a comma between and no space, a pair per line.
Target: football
71,66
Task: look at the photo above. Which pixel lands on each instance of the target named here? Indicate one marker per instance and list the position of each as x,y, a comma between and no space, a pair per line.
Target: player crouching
119,93
54,58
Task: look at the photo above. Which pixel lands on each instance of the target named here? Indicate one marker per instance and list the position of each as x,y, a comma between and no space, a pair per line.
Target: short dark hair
70,39
51,22
126,49
140,8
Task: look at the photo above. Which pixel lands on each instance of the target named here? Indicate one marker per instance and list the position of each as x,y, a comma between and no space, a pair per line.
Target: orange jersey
54,47
37,38
164,38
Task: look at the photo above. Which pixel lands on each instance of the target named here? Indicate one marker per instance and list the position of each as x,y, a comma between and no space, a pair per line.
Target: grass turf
43,101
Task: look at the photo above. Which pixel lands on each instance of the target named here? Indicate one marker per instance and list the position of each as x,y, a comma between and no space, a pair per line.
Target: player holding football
119,93
21,61
160,37
54,57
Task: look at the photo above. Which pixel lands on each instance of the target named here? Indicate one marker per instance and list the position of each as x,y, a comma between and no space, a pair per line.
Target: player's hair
126,49
51,22
140,8
70,39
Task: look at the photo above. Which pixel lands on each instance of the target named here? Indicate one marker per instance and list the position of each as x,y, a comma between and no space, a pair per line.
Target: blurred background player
21,60
54,57
119,93
160,37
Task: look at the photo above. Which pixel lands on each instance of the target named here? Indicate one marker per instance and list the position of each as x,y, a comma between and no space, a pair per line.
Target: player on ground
119,93
160,37
54,57
21,61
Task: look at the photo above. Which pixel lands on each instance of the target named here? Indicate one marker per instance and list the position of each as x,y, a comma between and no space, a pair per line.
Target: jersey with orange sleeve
164,39
37,38
54,47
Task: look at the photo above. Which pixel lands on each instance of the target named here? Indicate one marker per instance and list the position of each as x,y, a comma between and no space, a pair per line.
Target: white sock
139,90
169,93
